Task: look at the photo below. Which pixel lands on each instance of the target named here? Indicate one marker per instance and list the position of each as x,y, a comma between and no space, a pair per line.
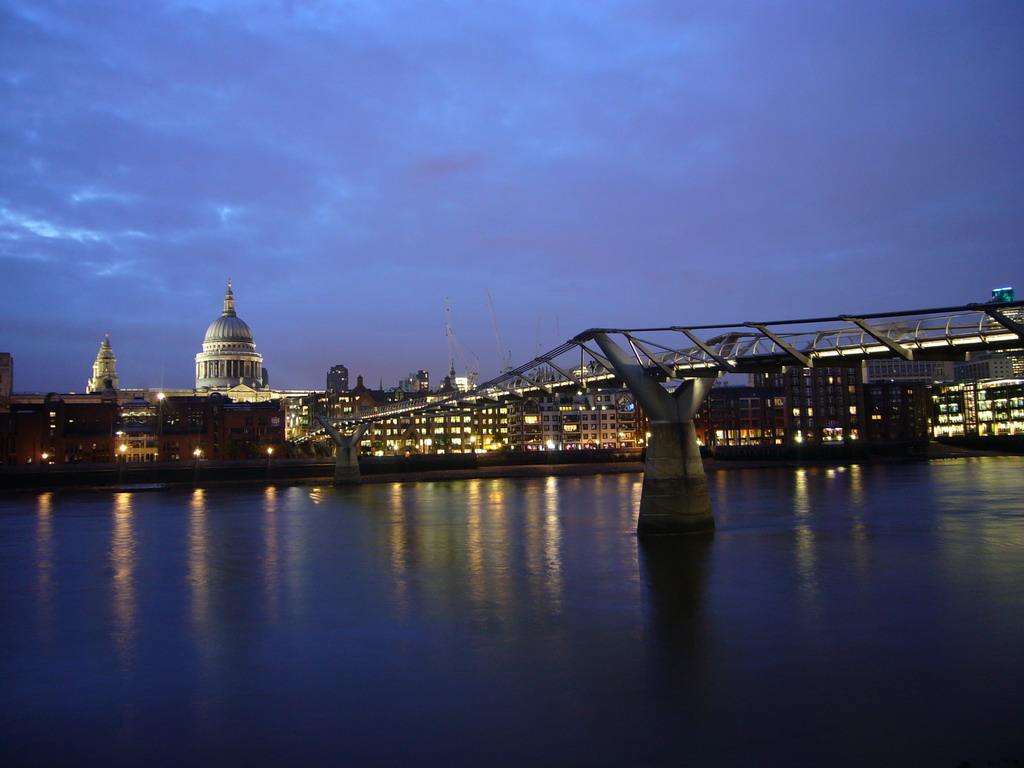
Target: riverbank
374,469
377,470
933,451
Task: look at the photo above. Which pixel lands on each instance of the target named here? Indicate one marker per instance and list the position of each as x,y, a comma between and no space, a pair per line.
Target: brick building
753,415
74,429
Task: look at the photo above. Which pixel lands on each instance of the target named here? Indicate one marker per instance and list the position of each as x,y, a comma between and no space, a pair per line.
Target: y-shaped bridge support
346,468
675,497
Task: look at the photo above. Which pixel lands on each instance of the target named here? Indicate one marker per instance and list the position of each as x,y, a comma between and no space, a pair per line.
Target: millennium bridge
670,371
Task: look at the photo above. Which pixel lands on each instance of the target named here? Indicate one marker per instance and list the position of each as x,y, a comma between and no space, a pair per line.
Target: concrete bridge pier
346,466
675,497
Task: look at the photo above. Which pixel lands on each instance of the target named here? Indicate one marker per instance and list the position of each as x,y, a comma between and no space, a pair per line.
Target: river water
861,616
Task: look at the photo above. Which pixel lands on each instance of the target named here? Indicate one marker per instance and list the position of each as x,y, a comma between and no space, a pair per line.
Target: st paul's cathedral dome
229,357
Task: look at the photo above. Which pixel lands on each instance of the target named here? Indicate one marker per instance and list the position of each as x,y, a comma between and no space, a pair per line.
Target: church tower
104,370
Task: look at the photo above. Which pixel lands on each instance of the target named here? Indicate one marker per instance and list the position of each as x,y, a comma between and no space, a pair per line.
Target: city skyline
351,167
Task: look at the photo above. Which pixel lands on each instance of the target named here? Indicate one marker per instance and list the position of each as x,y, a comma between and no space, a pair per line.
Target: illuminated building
489,428
824,404
93,429
980,408
104,370
896,412
742,416
337,379
229,360
800,410
525,431
602,419
418,382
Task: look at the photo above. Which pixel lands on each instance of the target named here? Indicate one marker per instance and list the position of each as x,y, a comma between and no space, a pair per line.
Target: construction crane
504,354
472,374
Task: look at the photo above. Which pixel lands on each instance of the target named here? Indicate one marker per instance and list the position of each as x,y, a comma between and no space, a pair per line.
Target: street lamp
122,448
159,423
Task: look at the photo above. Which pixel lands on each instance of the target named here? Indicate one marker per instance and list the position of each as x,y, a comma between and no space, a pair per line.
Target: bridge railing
673,352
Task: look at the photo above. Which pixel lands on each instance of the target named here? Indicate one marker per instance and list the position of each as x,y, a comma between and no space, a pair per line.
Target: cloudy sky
352,164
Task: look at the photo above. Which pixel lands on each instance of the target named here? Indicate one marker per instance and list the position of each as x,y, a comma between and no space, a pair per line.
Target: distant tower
337,379
104,370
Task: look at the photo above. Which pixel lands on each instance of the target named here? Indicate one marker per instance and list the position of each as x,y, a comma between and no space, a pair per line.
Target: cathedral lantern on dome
229,358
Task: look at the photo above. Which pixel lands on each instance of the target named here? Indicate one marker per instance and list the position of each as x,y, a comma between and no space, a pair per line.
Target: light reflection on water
123,559
520,622
272,553
198,564
44,567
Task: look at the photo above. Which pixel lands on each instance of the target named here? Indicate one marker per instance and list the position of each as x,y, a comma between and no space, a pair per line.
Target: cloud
17,227
352,164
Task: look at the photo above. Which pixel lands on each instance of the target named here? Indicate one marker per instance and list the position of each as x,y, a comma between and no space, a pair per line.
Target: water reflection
399,555
520,616
272,552
674,573
805,532
855,473
545,531
476,548
199,565
123,559
297,539
858,534
45,569
980,526
472,541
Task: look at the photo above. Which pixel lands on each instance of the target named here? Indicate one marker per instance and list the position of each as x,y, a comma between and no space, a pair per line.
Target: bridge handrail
742,345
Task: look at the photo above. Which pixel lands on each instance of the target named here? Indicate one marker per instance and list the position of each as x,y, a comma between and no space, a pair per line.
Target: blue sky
352,165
